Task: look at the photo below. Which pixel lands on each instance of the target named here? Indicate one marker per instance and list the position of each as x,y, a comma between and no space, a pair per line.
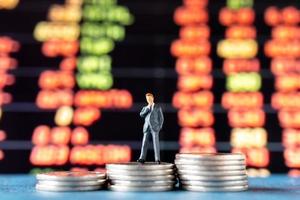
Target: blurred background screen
74,74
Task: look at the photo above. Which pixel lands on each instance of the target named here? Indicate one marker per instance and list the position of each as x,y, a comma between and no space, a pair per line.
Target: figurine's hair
150,94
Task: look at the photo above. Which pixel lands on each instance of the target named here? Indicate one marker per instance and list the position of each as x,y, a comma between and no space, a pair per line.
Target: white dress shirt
151,107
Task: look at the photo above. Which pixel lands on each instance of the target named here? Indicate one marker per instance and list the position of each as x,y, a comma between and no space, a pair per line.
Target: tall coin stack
63,181
212,172
147,177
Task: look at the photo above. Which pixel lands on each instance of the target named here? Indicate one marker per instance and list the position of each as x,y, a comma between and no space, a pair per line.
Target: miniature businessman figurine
154,120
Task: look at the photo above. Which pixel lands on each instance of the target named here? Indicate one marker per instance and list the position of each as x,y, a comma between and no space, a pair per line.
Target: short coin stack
212,172
136,177
62,181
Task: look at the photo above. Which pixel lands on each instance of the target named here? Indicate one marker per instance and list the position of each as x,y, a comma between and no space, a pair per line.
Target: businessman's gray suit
154,120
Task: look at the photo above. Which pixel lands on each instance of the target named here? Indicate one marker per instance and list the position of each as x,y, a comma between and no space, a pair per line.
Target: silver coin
209,163
216,189
66,189
141,178
138,166
213,173
143,183
72,183
211,156
215,183
140,189
70,176
210,167
212,178
141,173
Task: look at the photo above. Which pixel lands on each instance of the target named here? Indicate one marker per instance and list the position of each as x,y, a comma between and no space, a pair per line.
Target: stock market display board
74,74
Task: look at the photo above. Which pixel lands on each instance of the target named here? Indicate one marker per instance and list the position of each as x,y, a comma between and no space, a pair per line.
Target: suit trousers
145,144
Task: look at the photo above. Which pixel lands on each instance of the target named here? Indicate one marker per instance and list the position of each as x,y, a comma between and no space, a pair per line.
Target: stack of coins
147,177
212,172
70,181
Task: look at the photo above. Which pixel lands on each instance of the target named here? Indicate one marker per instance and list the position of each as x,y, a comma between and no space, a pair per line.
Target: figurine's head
150,98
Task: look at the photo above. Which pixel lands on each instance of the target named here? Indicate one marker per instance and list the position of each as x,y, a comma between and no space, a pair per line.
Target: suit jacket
154,119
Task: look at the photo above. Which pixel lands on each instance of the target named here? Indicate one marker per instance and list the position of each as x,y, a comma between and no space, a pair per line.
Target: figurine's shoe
142,161
157,162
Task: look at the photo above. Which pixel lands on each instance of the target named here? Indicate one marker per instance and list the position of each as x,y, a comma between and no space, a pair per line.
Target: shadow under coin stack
147,177
218,172
70,181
